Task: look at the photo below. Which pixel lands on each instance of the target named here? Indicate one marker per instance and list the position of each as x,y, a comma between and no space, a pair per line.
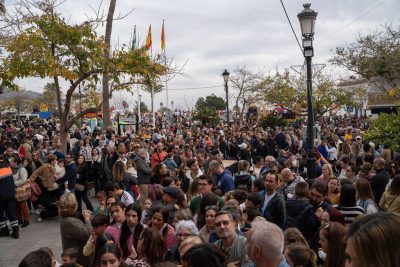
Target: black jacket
300,214
378,183
275,211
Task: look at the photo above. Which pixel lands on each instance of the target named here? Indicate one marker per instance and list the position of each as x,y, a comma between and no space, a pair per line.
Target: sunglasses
225,223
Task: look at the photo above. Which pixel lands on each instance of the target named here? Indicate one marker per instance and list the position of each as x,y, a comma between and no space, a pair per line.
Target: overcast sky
222,34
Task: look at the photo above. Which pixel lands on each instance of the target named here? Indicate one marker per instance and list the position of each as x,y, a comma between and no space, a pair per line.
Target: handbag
23,192
36,191
79,187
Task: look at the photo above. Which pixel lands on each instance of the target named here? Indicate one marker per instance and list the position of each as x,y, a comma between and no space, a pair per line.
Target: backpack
244,179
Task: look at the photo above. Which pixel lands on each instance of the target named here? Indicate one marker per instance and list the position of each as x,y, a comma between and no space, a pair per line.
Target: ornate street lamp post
307,19
225,74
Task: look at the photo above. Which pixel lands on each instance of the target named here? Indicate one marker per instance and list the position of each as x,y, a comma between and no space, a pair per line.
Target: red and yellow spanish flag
148,40
162,37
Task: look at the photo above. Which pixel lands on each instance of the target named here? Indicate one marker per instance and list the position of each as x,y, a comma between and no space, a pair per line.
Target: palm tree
153,87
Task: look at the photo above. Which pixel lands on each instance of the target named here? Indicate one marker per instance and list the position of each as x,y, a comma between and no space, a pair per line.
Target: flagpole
165,62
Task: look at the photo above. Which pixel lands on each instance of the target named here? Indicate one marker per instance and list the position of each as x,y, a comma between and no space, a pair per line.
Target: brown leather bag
23,192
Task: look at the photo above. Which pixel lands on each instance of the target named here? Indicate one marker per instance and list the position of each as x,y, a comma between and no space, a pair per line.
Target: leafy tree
272,120
375,56
290,93
206,110
385,130
244,82
40,43
48,97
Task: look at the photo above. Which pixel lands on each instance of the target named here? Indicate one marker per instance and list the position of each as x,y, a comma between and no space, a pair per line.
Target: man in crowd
222,178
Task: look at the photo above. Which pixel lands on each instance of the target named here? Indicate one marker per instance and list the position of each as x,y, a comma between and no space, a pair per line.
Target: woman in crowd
300,255
381,230
184,229
96,169
117,212
109,256
204,255
20,175
209,226
333,190
365,198
332,243
160,171
348,204
332,215
131,230
159,223
390,201
150,250
327,173
74,232
86,151
81,187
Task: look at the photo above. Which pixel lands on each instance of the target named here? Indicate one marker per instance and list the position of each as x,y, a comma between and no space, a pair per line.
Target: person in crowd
102,208
327,173
205,187
96,170
204,255
7,201
300,213
184,229
222,178
109,255
390,201
332,243
159,154
144,174
298,254
230,243
74,232
266,251
348,203
243,179
160,172
69,255
20,176
193,172
365,198
97,238
332,215
117,211
380,229
380,179
159,223
113,189
273,203
187,244
333,190
37,258
131,230
205,231
290,182
81,186
292,235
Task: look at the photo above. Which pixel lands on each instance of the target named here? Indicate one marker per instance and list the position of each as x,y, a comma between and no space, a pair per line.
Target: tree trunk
106,78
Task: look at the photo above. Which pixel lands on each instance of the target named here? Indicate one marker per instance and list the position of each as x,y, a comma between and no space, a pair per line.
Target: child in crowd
59,172
98,236
69,255
147,205
102,209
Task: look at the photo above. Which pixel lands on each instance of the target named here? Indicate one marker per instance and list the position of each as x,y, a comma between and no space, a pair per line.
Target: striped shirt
350,213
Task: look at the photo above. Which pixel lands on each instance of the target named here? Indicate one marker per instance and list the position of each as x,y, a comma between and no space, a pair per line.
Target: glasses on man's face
220,223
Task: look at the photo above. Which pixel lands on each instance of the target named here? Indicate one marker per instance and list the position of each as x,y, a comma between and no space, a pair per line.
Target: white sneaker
39,219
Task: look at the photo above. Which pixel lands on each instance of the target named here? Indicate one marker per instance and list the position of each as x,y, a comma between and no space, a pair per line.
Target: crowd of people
184,194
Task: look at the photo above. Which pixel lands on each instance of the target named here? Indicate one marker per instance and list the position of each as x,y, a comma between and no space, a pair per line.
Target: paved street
36,235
